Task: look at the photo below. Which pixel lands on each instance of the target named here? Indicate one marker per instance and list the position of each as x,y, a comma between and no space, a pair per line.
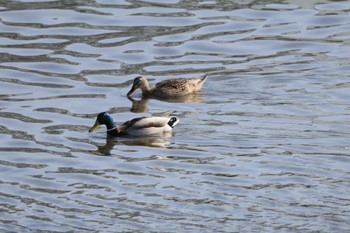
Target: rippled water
263,148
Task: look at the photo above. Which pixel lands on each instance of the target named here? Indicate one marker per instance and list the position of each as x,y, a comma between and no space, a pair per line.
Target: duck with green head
141,126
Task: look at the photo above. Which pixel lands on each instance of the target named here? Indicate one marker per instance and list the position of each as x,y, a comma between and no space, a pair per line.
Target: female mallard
168,88
140,126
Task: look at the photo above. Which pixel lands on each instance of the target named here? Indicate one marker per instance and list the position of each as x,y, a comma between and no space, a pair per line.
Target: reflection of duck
139,105
151,141
168,88
141,126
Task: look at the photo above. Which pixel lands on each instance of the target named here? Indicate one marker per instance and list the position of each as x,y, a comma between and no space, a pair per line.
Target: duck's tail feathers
200,82
203,78
173,121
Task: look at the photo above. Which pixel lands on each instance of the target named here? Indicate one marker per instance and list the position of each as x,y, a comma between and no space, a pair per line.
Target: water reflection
263,148
141,105
161,141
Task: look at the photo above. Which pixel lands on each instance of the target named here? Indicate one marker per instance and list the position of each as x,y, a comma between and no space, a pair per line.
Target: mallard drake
168,88
140,126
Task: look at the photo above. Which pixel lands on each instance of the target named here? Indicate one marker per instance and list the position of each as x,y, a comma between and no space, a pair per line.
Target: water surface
263,148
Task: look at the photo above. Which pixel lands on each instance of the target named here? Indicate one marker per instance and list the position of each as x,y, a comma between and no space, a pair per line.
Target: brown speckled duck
168,88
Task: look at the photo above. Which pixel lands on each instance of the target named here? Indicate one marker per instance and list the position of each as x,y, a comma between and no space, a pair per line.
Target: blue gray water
263,148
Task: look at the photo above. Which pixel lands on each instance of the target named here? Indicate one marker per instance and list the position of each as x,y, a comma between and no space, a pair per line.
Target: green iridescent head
104,118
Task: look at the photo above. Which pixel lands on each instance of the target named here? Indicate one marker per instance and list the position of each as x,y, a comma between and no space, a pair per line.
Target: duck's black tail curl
173,121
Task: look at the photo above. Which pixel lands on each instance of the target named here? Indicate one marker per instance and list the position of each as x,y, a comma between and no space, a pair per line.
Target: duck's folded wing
128,124
149,122
144,122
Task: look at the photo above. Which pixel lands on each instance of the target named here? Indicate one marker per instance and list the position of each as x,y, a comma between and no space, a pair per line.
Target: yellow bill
94,127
